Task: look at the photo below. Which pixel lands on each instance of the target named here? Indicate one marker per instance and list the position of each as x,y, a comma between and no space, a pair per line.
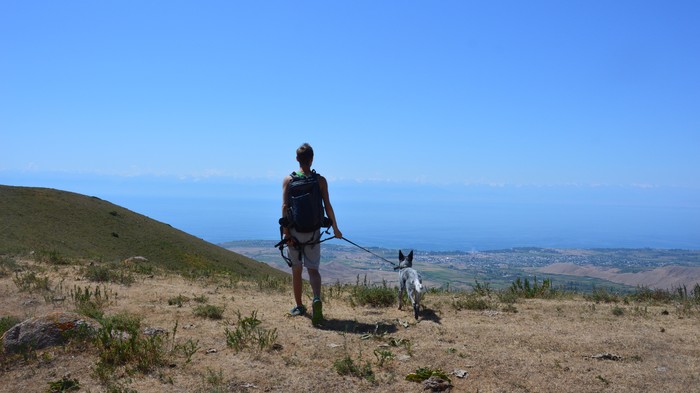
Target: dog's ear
401,257
409,258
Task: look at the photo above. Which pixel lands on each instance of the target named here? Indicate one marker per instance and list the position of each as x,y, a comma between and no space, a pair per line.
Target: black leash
300,246
378,256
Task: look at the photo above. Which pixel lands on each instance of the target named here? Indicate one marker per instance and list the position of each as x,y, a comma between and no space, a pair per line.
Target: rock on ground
45,331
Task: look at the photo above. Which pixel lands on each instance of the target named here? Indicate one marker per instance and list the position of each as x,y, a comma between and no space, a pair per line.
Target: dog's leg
414,296
410,292
402,286
416,304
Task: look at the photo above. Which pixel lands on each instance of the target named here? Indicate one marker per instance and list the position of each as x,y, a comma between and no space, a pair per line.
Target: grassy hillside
78,226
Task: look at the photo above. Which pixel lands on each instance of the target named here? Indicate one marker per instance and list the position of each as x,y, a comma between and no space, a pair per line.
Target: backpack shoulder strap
296,175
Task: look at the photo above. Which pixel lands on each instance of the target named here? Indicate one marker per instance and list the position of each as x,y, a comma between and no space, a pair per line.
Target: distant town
572,269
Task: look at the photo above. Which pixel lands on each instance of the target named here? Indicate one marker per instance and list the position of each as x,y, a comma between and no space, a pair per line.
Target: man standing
304,199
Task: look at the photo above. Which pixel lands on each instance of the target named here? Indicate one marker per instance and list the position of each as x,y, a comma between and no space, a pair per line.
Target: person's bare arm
327,204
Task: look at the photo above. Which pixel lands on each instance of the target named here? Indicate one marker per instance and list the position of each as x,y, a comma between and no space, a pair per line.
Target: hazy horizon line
219,176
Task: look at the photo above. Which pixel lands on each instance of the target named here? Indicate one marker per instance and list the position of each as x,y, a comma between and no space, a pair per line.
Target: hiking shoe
317,312
298,310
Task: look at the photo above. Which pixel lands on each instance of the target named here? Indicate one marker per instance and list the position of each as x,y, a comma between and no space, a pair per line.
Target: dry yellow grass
546,346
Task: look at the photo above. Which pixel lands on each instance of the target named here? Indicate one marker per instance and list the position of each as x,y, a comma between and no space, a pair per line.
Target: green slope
79,226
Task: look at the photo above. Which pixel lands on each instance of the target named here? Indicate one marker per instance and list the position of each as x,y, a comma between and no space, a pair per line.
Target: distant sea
450,218
413,215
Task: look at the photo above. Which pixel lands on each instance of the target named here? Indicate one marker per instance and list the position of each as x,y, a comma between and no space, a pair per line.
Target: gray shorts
311,254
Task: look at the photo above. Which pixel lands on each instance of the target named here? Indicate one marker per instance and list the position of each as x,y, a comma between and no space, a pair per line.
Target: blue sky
497,93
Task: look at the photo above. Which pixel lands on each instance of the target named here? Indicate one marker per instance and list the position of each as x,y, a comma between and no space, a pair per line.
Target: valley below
581,270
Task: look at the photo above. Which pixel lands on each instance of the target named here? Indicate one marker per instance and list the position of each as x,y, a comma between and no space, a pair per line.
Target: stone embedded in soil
46,331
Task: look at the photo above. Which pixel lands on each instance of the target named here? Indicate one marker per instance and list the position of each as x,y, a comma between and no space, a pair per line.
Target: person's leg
295,256
312,261
297,283
316,305
315,282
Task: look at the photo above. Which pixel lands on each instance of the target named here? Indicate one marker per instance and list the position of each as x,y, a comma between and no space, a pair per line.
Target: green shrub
188,349
51,257
201,299
482,289
215,379
120,344
90,303
248,332
6,323
124,322
273,284
98,273
402,342
108,273
347,366
686,302
523,288
424,373
602,295
685,297
365,294
507,296
209,311
30,282
335,291
64,384
470,301
383,356
178,300
646,294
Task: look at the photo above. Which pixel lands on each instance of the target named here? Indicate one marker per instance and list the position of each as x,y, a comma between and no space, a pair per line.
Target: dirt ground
544,346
